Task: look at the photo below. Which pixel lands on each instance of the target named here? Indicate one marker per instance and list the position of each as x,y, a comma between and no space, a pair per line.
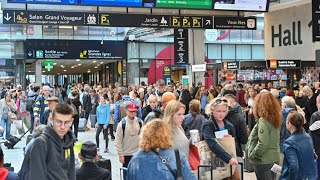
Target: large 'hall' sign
75,49
105,19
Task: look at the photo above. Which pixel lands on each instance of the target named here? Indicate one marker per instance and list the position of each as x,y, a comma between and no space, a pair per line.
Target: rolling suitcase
82,124
93,120
13,140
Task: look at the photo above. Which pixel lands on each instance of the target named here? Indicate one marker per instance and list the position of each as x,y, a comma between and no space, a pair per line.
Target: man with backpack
51,154
119,109
31,99
127,135
41,105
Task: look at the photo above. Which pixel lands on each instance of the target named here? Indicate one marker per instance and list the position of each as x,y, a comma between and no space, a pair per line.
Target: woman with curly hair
155,150
263,145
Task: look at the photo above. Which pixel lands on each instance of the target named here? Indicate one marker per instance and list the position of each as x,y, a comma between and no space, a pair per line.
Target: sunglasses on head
219,101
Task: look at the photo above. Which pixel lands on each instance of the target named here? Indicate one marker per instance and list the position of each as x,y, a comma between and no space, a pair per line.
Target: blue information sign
45,1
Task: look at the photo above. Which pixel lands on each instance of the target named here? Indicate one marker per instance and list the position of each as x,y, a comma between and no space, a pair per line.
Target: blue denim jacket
298,162
147,165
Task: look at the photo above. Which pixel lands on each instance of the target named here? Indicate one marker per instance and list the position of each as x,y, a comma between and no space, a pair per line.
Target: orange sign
273,64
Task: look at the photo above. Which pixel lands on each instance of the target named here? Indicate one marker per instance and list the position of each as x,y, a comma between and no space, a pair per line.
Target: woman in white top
174,115
249,97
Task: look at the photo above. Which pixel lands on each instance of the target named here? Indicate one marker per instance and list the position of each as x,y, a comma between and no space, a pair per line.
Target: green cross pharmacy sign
48,65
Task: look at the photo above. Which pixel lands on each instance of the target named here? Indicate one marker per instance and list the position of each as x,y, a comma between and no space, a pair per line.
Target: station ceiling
69,66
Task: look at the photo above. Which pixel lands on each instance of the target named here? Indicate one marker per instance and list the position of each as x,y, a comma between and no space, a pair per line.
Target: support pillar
196,54
20,72
133,67
38,73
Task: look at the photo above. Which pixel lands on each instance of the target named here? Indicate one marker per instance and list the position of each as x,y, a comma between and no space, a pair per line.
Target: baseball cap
168,96
88,150
132,107
53,98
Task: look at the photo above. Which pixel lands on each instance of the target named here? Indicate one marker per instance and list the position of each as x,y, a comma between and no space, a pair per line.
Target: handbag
178,175
12,116
194,158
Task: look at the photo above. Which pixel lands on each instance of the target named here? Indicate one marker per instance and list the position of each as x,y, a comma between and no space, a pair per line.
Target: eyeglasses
59,123
219,101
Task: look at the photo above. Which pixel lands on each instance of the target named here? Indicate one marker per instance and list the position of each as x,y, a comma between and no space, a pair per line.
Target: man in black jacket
86,102
51,154
238,123
89,169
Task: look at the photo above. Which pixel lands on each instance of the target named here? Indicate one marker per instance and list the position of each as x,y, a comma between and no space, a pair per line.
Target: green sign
185,4
48,65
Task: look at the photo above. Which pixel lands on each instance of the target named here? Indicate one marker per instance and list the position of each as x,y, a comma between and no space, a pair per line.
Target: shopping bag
13,129
194,158
219,169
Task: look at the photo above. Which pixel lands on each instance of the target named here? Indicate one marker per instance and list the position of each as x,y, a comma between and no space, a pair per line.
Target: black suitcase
13,140
123,175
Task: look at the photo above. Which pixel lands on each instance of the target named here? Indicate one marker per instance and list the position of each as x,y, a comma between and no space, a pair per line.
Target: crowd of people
148,123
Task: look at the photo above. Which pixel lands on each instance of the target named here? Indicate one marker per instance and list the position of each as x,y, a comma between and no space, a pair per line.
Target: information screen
241,5
185,4
119,3
45,1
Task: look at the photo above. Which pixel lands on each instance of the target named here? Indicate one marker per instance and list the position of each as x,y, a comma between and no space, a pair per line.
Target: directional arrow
7,17
30,53
208,22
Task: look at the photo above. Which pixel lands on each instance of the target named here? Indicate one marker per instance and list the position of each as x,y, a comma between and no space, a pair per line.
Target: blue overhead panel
119,3
45,1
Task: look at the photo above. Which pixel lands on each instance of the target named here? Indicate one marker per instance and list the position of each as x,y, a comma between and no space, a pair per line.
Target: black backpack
30,103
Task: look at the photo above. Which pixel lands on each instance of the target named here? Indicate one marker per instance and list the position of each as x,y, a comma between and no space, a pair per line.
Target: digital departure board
184,4
45,1
241,5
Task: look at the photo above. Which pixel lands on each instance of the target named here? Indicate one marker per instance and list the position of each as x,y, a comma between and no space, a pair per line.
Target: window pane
95,33
214,51
246,35
235,35
228,52
18,31
243,52
258,52
65,32
81,32
50,32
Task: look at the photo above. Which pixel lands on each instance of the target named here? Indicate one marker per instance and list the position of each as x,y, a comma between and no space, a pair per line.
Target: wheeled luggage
82,125
93,120
13,140
104,163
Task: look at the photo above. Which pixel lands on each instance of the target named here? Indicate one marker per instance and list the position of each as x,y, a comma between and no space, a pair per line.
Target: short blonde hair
171,108
155,134
307,90
213,104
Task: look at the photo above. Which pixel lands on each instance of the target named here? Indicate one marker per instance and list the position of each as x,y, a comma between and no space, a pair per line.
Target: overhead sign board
235,23
45,1
75,49
105,19
241,5
230,65
283,64
225,5
181,46
315,20
199,68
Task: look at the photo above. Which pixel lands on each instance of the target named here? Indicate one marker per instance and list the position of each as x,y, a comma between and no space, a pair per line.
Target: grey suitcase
82,124
93,120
